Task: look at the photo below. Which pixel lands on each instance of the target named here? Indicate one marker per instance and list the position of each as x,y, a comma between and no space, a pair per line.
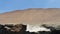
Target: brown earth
32,16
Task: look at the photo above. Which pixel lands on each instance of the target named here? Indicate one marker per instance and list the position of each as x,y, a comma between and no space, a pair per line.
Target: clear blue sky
9,5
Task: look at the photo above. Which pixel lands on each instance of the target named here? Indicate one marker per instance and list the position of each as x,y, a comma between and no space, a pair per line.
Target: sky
10,5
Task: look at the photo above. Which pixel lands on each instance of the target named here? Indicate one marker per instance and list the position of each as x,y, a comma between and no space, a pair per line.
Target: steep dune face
32,16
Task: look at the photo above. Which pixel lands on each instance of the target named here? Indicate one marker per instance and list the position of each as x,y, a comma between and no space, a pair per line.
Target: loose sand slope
32,16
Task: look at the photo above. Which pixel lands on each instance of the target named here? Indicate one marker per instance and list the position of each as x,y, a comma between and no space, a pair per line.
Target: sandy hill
32,16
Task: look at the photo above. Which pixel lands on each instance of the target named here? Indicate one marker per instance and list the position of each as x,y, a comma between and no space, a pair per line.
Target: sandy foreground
50,16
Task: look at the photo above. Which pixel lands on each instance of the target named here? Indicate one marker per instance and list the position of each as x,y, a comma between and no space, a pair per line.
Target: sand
50,16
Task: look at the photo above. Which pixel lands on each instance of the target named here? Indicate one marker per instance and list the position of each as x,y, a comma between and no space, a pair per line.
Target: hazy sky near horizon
10,5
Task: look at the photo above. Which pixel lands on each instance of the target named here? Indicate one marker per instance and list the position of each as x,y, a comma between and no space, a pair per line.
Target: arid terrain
34,16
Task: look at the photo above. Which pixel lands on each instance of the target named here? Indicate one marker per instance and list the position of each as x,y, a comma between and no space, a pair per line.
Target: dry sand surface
32,16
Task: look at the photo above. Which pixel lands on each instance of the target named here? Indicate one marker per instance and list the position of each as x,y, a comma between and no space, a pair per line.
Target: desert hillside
32,16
